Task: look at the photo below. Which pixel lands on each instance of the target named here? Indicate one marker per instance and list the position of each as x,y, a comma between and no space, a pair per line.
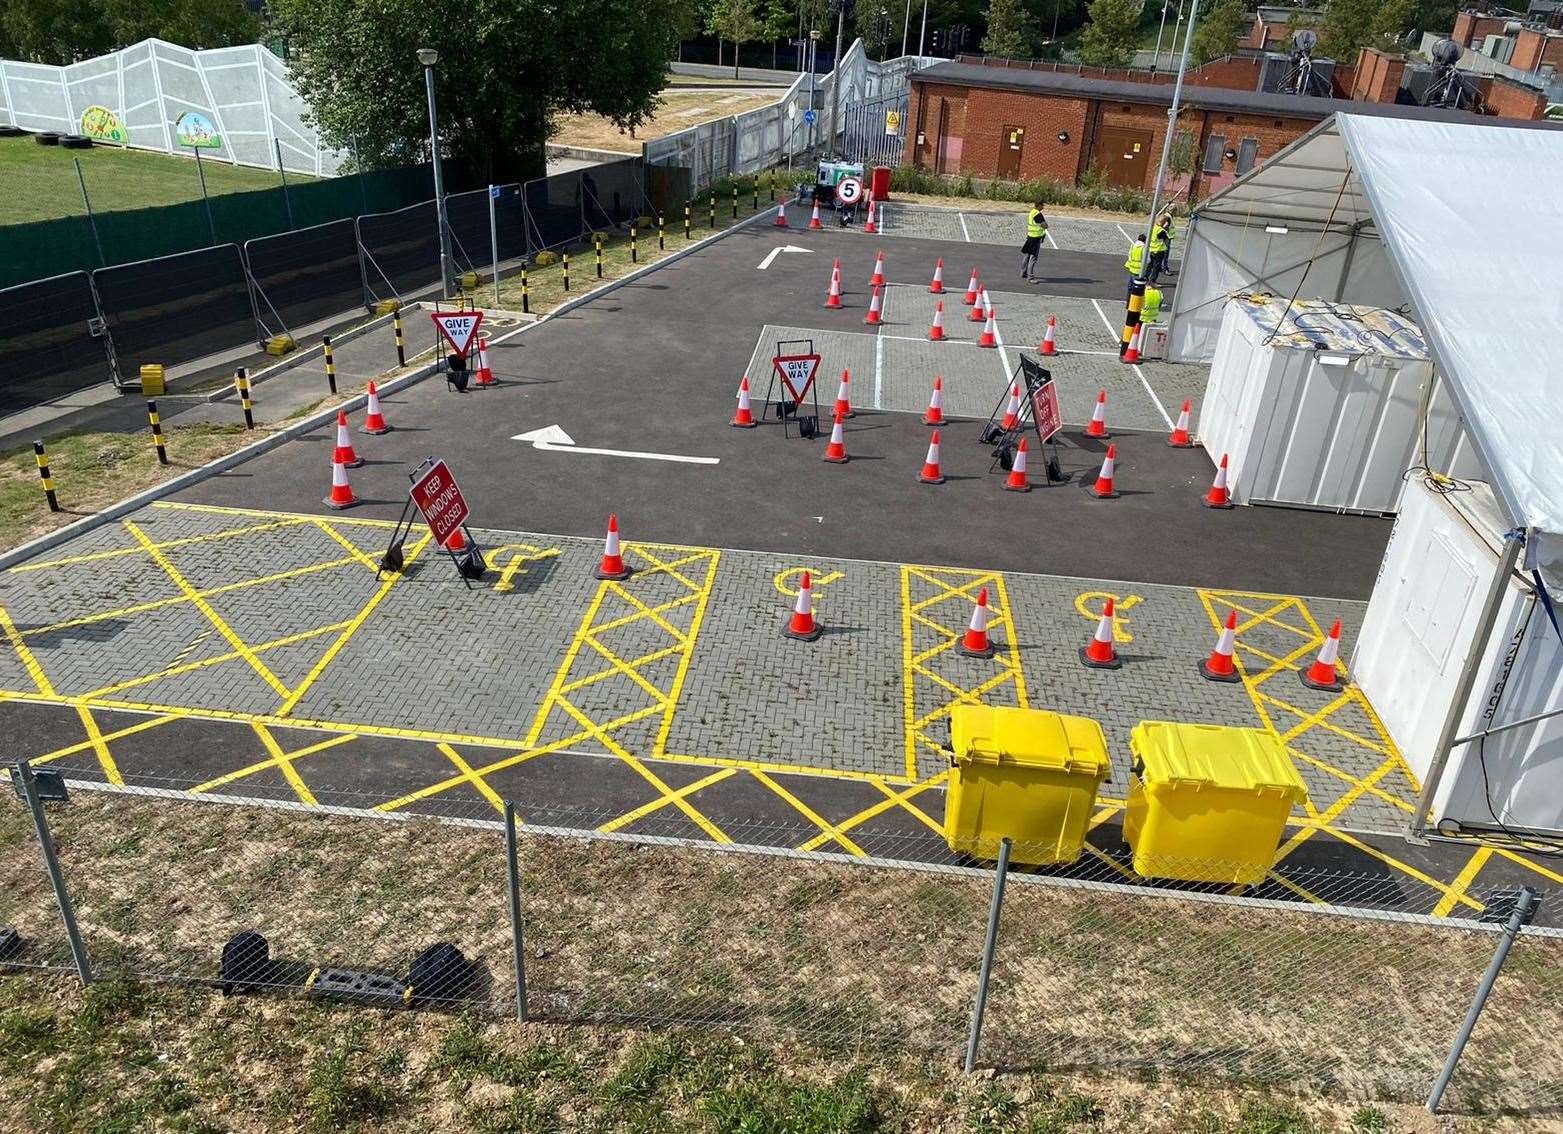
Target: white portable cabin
1445,215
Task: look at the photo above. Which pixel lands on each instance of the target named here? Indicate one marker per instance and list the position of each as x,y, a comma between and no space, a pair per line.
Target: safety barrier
54,341
175,309
301,277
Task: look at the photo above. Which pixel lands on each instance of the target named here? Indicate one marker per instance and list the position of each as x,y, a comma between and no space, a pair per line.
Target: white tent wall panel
245,91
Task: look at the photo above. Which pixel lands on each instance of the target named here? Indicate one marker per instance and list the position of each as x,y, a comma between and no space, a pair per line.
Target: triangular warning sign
459,328
797,373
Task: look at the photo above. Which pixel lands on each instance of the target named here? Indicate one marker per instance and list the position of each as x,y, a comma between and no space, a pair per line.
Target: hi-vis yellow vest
1136,261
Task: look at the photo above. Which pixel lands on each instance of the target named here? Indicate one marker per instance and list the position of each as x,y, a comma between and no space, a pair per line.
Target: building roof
1062,83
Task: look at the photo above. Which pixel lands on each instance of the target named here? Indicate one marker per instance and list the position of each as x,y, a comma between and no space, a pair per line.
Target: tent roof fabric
1466,212
1160,94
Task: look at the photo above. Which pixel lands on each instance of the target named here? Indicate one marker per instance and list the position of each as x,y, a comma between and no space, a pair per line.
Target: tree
60,32
871,20
1112,34
778,21
735,21
1219,30
1006,35
506,66
1350,25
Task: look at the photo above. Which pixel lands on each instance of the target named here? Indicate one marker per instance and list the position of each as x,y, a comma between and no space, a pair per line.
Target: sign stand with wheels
1039,412
796,370
460,330
437,497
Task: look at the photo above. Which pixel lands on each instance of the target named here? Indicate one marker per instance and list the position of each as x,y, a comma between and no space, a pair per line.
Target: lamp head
428,56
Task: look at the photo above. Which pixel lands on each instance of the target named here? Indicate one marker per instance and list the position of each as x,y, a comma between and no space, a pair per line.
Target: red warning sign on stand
437,496
1044,410
797,373
460,328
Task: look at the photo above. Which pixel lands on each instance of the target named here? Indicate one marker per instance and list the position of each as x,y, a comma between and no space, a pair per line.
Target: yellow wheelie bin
1023,774
1207,803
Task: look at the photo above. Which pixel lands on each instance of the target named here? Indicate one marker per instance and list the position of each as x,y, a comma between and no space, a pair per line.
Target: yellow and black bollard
241,381
662,233
526,294
771,184
735,200
566,271
686,222
634,245
157,433
43,475
713,208
1131,316
401,345
597,240
330,363
754,193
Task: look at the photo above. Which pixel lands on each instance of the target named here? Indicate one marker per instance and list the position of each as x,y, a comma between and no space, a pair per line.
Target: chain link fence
1357,993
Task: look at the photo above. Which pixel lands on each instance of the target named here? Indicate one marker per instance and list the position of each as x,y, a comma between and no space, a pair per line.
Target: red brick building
1018,124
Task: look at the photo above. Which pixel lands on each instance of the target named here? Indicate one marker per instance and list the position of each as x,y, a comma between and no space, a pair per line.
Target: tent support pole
1474,656
1345,270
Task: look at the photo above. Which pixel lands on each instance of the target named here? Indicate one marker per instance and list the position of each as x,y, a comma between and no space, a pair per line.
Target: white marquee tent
1456,220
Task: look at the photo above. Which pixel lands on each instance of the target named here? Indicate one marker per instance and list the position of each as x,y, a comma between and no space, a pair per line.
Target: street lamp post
429,57
922,35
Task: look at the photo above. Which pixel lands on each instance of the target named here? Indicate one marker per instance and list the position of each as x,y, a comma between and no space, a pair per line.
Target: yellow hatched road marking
1403,867
297,517
352,548
828,831
204,663
29,663
656,804
472,777
185,541
102,738
100,747
1462,881
205,608
277,758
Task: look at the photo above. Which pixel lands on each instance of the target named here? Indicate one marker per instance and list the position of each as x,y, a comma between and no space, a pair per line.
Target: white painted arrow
552,439
775,252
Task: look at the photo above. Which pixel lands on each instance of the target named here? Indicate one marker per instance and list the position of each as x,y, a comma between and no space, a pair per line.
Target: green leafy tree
1006,35
1219,30
737,22
1350,25
506,66
57,31
778,21
1112,33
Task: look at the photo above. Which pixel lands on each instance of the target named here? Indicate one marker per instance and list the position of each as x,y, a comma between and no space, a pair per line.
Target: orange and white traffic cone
990,332
744,418
936,329
979,307
971,290
936,286
484,376
814,221
341,492
1050,336
975,642
612,565
1103,488
1180,438
1012,408
344,454
374,420
1097,427
1219,666
878,278
874,308
1218,496
836,449
931,473
1017,481
1100,654
1322,674
869,226
1132,355
833,297
781,215
843,405
935,414
802,625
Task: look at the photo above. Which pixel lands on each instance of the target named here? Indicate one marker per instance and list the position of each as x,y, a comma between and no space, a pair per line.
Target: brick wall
1470,28
1511,100
1534,46
1378,76
1233,72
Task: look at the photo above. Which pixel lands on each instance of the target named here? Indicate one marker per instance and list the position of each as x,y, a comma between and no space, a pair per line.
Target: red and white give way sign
459,328
443,506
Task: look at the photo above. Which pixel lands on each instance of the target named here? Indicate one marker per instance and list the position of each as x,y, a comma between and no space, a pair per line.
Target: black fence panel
553,207
614,192
52,344
403,249
467,216
177,308
307,275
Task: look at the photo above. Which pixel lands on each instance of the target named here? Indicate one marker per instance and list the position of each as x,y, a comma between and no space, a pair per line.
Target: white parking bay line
964,230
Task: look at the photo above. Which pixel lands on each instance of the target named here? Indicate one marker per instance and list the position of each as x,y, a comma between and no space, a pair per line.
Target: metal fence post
287,202
23,772
493,239
1524,901
200,172
517,950
92,221
1001,872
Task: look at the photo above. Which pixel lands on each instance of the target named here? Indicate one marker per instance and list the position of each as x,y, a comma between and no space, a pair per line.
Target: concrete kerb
299,357
324,417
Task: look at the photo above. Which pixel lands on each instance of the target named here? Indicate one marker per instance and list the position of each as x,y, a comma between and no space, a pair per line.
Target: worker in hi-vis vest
1036,233
1152,307
1135,264
1160,247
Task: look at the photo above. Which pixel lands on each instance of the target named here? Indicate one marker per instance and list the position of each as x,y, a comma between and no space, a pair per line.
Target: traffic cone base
1209,673
1087,659
744,418
341,495
1333,685
612,565
809,635
986,651
374,420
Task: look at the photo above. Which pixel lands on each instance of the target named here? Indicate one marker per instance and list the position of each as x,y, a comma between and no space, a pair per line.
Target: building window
1214,145
1247,151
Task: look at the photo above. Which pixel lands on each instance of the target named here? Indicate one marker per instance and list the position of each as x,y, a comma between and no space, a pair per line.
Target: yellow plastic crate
387,306
1024,774
279,345
152,383
1207,803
